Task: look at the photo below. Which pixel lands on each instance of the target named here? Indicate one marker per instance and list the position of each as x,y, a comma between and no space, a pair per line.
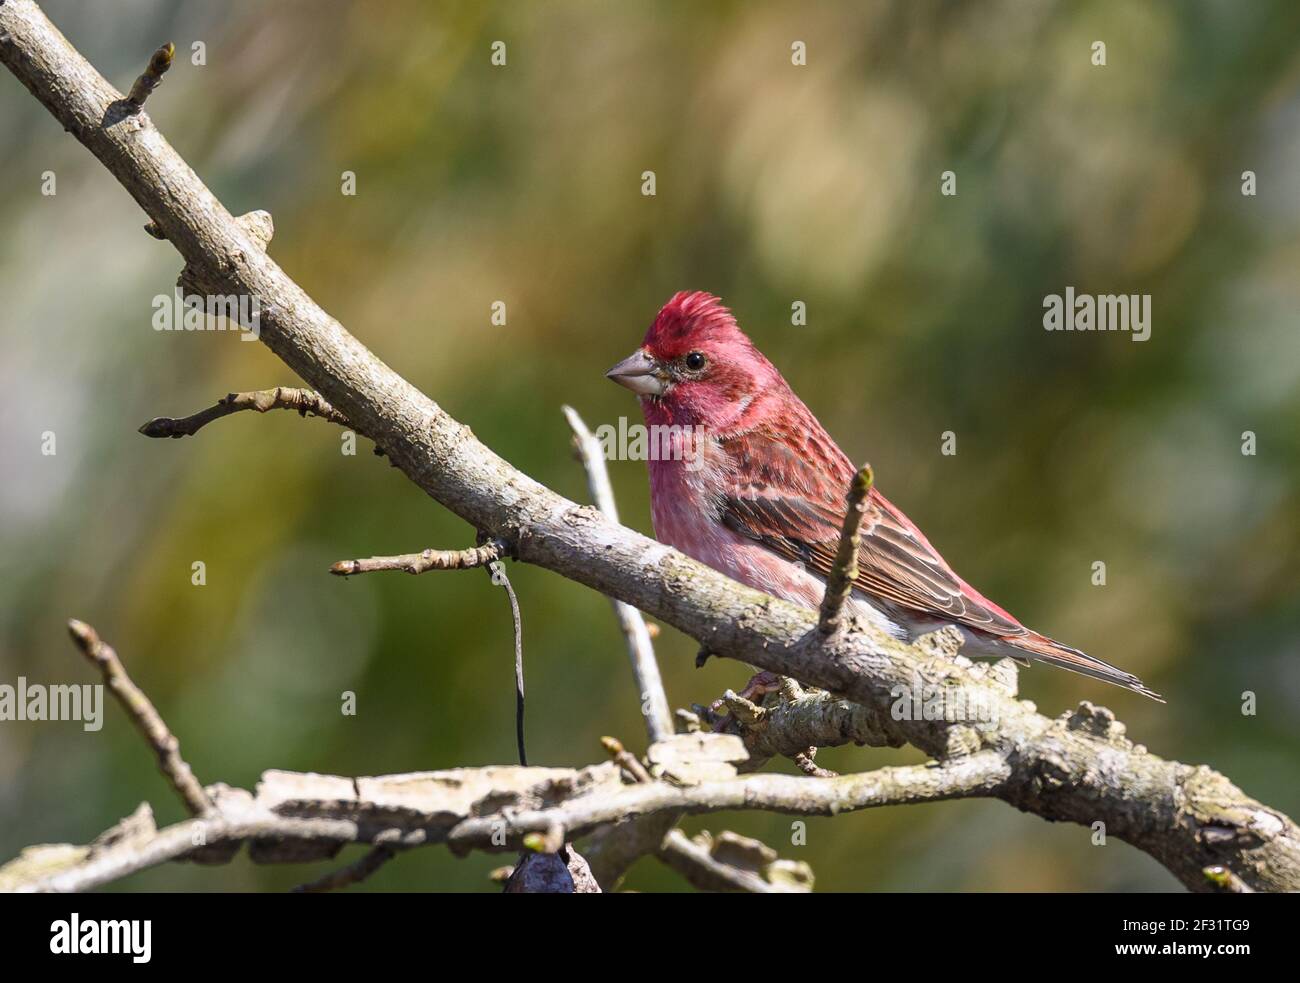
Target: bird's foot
758,687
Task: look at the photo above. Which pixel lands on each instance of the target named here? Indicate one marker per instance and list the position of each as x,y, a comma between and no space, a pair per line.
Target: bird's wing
789,495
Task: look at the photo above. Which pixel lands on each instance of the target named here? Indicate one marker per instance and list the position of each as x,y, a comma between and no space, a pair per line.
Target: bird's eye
695,361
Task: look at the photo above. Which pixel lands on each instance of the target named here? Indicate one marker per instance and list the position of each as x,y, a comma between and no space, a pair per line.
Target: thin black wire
495,569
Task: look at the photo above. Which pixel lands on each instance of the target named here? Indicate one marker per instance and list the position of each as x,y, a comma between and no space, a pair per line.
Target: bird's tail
1048,650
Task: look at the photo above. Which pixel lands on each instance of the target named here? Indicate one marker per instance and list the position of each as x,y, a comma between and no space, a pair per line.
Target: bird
744,479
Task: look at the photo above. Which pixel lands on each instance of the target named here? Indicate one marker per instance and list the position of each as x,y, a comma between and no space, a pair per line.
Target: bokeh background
775,183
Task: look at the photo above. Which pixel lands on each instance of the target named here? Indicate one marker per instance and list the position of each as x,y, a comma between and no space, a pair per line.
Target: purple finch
749,483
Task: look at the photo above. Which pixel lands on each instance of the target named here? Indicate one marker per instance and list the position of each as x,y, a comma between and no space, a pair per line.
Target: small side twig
145,717
698,861
430,559
159,62
489,555
497,571
353,873
845,570
612,850
806,763
625,759
694,862
1226,881
746,712
304,401
645,668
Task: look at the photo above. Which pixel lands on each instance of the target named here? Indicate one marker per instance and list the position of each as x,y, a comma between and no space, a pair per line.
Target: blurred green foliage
775,183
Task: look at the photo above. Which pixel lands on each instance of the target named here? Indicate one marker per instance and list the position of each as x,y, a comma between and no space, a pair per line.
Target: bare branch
640,649
294,816
977,775
430,559
815,719
696,862
747,713
845,569
304,401
145,717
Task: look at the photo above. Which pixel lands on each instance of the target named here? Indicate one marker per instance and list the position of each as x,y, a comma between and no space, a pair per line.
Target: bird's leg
760,684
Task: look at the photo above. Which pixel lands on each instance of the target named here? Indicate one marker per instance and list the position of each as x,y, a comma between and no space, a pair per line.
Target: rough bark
293,817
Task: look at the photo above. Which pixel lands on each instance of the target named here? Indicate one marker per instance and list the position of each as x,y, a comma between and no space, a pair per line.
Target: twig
145,717
613,850
146,83
625,759
487,555
845,570
744,711
497,570
353,873
806,763
699,868
430,559
304,401
640,649
548,840
1226,881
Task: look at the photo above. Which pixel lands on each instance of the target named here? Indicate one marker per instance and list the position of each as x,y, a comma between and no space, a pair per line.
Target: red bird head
696,366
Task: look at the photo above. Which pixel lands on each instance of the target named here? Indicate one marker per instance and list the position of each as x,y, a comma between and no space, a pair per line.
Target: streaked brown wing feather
776,495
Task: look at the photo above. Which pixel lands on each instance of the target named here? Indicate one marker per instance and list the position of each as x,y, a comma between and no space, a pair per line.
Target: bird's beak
640,373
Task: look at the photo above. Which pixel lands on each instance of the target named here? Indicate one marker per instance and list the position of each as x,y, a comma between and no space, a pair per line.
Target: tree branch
640,649
612,850
1081,768
430,559
844,571
304,401
145,717
294,817
708,863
